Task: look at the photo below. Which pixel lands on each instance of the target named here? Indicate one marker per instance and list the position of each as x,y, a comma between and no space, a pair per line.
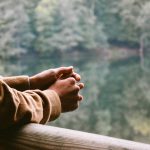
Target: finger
76,76
71,80
77,88
80,97
77,98
64,71
81,85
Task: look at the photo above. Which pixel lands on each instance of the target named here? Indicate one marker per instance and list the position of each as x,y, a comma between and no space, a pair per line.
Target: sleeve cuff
55,104
20,83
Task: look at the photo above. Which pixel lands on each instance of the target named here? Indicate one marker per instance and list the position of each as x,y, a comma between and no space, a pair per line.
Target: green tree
12,23
135,14
68,25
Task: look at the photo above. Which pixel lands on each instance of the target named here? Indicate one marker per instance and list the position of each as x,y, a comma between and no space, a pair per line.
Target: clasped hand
64,81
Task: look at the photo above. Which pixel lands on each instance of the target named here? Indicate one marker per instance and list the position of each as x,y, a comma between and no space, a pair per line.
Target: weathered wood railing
40,137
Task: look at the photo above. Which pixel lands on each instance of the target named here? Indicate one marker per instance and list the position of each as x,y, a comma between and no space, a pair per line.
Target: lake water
114,101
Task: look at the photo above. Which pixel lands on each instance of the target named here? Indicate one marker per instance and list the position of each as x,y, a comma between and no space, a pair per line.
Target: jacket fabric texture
20,105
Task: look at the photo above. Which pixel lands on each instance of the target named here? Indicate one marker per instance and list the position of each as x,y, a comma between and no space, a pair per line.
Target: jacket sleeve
32,106
20,83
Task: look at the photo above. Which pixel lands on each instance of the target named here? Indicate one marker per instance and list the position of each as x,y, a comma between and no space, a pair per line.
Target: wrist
55,103
29,83
32,83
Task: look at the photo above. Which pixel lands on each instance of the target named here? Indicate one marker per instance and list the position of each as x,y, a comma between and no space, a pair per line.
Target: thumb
64,72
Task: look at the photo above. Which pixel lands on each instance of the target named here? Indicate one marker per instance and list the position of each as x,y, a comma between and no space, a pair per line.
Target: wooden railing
41,137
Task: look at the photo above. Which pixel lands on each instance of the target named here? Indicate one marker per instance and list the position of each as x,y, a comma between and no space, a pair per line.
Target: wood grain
42,137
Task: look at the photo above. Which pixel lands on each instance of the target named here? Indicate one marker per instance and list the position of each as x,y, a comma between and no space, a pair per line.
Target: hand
46,78
68,91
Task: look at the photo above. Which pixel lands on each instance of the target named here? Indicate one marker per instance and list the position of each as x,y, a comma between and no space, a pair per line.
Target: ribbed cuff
55,104
20,83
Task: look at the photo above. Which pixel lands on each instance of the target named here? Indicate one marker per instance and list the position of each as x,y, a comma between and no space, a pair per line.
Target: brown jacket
19,105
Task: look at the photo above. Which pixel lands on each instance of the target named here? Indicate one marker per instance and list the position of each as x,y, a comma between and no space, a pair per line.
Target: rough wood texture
40,137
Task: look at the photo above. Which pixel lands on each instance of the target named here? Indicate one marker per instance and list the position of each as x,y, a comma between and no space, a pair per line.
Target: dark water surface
113,103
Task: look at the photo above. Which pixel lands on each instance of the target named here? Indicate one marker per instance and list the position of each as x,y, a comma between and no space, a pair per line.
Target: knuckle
52,72
77,75
72,80
80,97
77,88
77,98
81,85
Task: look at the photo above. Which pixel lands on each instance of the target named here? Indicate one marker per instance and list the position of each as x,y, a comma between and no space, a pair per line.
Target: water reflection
114,103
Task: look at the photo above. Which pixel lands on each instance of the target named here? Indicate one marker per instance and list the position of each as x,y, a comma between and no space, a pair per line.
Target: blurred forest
107,41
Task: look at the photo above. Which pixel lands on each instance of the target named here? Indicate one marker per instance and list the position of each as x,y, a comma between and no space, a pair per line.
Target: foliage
67,25
117,89
12,29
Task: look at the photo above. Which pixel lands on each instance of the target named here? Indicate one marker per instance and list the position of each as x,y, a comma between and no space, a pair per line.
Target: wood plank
42,137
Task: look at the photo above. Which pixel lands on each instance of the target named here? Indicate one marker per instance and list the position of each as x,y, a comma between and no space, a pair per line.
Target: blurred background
108,43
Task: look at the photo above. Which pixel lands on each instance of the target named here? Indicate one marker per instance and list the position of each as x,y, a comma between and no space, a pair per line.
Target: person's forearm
20,83
41,80
25,107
